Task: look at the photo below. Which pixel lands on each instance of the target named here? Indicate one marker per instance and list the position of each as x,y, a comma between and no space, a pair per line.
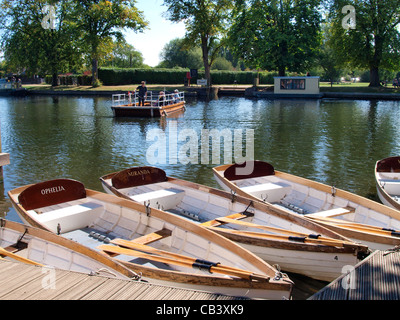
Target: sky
159,32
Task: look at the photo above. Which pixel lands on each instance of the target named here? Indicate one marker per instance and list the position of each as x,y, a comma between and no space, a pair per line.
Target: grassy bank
359,87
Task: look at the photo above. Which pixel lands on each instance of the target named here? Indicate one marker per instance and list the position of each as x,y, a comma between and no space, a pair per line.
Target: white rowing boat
387,177
38,247
353,216
163,248
296,244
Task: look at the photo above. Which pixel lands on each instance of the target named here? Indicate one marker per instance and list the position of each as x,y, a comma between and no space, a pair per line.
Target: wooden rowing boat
163,248
353,216
387,177
279,237
42,248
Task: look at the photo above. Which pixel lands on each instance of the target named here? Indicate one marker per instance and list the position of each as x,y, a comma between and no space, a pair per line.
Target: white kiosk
306,86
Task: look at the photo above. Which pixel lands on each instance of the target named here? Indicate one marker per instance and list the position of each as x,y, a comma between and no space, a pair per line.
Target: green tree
277,35
374,41
101,22
206,24
175,54
222,63
124,55
327,59
33,45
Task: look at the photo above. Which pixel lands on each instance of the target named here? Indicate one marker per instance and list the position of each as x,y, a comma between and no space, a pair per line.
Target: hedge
113,76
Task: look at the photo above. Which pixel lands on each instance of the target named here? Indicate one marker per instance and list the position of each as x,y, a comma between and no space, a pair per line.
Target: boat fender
314,236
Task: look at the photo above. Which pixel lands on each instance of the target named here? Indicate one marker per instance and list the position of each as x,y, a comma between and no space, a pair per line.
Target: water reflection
331,141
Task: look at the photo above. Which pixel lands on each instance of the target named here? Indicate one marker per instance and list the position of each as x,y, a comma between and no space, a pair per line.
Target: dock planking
377,277
20,281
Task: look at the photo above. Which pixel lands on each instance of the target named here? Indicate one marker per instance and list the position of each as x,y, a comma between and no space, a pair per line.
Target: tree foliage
175,54
31,48
206,23
374,42
101,21
276,34
123,55
85,28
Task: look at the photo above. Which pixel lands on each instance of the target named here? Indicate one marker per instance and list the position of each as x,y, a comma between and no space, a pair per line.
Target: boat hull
323,204
387,178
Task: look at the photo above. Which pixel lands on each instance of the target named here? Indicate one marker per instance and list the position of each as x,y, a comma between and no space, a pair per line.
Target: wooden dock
377,277
20,281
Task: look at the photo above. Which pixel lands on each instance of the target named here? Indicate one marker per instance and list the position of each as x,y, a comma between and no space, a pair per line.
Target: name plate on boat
52,192
140,176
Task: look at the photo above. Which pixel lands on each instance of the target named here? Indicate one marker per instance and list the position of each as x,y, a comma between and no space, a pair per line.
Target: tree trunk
54,79
95,67
374,77
207,67
282,71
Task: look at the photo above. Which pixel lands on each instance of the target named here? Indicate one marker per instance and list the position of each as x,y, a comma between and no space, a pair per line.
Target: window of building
293,84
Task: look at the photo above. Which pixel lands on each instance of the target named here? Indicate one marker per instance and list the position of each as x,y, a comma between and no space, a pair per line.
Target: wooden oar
334,243
268,228
18,258
361,227
211,268
148,249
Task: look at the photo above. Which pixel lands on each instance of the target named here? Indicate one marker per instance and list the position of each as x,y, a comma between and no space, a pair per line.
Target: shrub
110,76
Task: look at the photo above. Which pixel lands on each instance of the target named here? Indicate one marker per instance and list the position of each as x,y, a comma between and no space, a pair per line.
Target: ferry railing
152,99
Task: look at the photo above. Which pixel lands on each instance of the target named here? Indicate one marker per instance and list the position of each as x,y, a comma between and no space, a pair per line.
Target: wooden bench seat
164,199
391,186
216,222
270,192
70,217
147,238
331,213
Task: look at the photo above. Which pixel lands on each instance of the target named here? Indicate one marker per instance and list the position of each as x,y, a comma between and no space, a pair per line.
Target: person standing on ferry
142,93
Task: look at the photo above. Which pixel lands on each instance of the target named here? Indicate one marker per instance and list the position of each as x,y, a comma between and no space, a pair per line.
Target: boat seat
391,186
270,192
164,199
234,216
69,218
146,239
331,213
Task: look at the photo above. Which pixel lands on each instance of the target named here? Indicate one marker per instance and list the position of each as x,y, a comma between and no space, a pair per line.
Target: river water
336,142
